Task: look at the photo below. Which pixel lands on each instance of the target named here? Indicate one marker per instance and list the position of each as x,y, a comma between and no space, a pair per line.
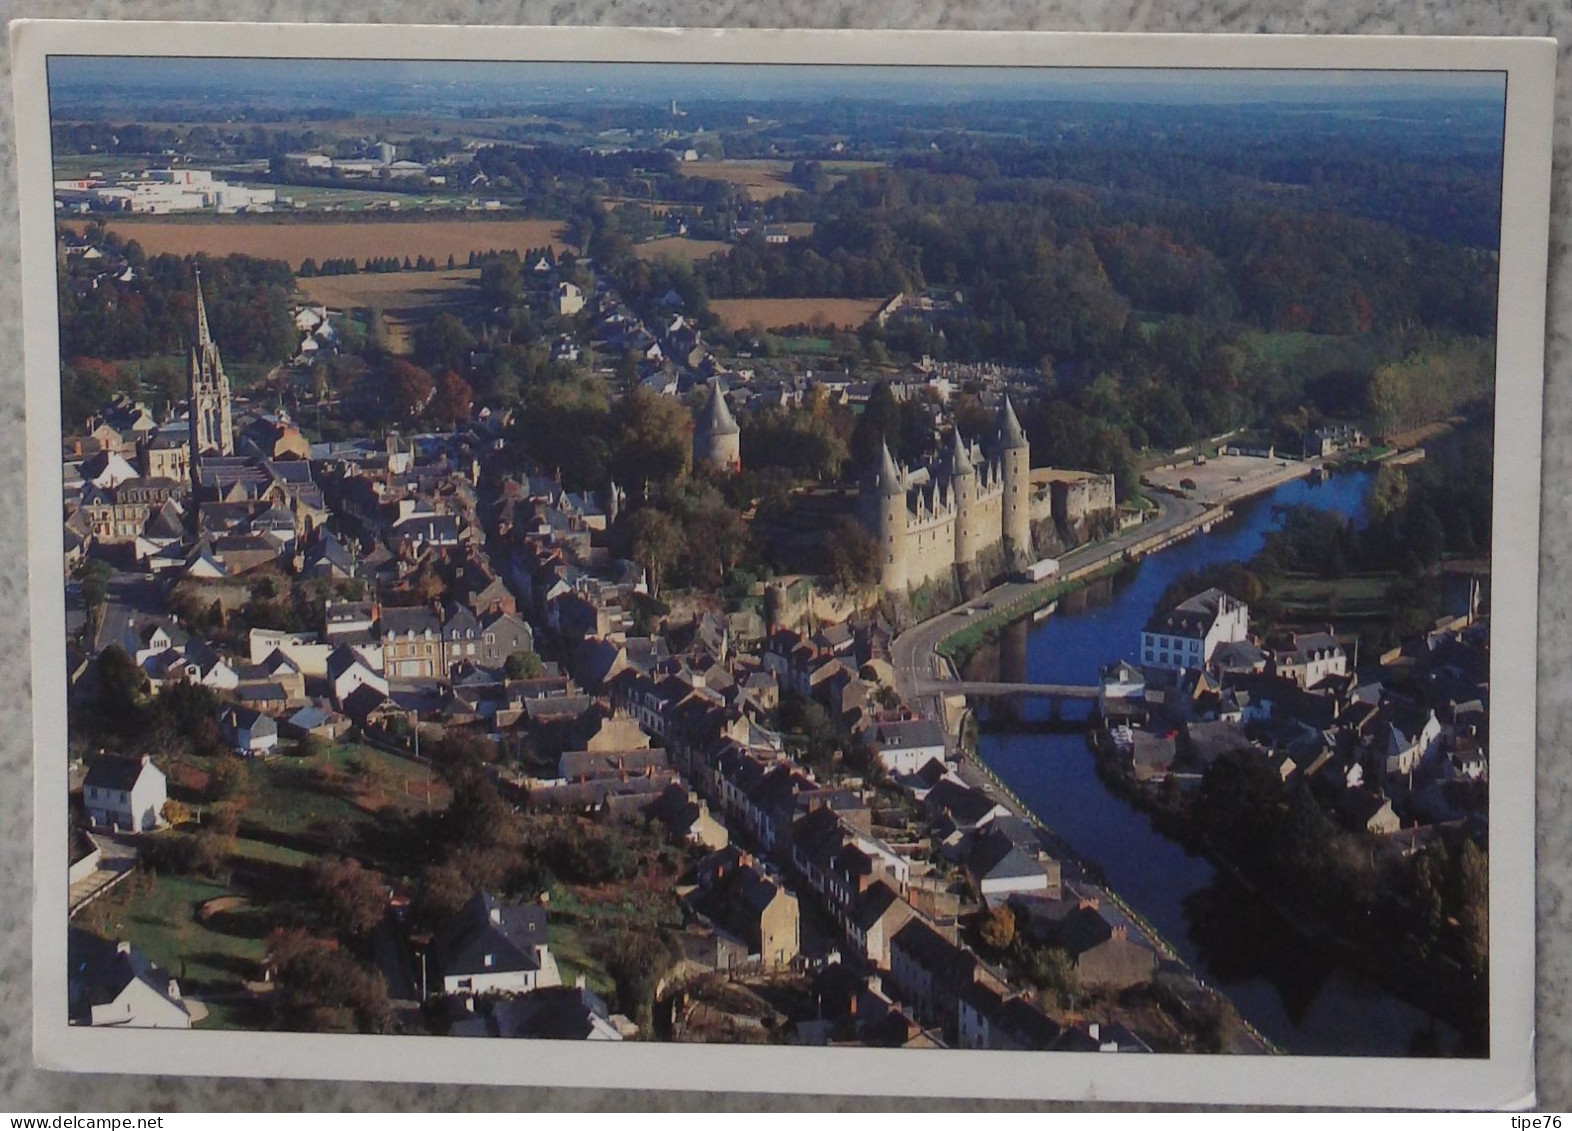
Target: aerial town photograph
780,555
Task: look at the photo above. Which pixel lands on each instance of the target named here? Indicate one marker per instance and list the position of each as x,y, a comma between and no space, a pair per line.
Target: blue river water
1299,997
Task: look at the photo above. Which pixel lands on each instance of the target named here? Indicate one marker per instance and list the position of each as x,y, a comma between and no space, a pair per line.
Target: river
1297,995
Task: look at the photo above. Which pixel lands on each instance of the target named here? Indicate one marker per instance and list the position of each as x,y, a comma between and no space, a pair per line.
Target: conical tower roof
1010,433
717,419
890,480
960,462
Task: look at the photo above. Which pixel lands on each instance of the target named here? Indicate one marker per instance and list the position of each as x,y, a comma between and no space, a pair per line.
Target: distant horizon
76,79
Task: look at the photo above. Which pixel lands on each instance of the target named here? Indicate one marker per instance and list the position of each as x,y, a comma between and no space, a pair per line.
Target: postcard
915,563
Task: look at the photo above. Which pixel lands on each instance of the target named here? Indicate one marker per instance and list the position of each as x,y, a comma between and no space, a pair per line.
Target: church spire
212,431
204,338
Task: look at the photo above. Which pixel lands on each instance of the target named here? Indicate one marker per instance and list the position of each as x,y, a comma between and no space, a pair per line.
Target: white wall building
124,793
1185,636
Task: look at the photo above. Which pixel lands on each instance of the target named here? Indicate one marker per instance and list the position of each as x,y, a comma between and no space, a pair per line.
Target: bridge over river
986,690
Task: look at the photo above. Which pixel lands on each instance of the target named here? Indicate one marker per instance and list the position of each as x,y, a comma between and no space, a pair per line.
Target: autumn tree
324,988
410,388
997,930
348,897
453,400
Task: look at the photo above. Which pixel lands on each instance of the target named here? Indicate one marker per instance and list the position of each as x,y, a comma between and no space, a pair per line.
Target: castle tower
207,392
890,492
1016,456
717,440
963,487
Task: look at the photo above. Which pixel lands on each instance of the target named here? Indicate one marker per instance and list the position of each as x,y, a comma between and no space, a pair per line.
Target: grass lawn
804,345
295,796
208,959
569,947
1354,597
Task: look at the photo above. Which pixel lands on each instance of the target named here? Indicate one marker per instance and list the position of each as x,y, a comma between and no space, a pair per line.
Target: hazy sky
73,78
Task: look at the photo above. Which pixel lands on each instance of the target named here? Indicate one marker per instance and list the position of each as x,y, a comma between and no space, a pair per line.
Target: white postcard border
1505,1079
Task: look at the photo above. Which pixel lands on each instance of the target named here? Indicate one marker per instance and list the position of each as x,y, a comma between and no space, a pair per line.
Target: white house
347,670
1313,657
1185,636
124,793
1122,683
111,984
906,746
570,299
495,947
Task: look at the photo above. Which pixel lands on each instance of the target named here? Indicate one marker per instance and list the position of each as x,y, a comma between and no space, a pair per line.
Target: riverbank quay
1085,875
1385,956
914,653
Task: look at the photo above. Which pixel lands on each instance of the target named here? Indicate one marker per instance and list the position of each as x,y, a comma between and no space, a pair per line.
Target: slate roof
1193,617
98,972
907,734
113,771
508,932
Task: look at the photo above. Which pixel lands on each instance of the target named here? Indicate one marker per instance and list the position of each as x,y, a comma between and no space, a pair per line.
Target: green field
210,960
570,948
323,801
1359,597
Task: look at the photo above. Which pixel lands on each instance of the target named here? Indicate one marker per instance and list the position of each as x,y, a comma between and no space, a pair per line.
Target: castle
717,439
212,432
934,523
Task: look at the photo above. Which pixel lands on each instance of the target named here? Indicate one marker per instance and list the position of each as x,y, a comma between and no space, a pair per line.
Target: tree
1473,902
656,543
122,688
95,584
443,343
318,982
441,891
348,897
477,817
997,931
411,387
227,780
880,423
852,554
636,961
522,665
653,438
453,400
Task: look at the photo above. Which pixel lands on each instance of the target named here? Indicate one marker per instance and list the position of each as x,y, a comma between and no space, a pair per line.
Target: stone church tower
717,439
207,392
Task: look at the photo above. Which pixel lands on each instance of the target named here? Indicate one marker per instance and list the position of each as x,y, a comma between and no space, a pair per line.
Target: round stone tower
963,482
717,440
1017,458
890,497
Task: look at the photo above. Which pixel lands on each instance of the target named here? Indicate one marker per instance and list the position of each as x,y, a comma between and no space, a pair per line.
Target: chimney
123,948
1094,1031
578,982
496,914
174,990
